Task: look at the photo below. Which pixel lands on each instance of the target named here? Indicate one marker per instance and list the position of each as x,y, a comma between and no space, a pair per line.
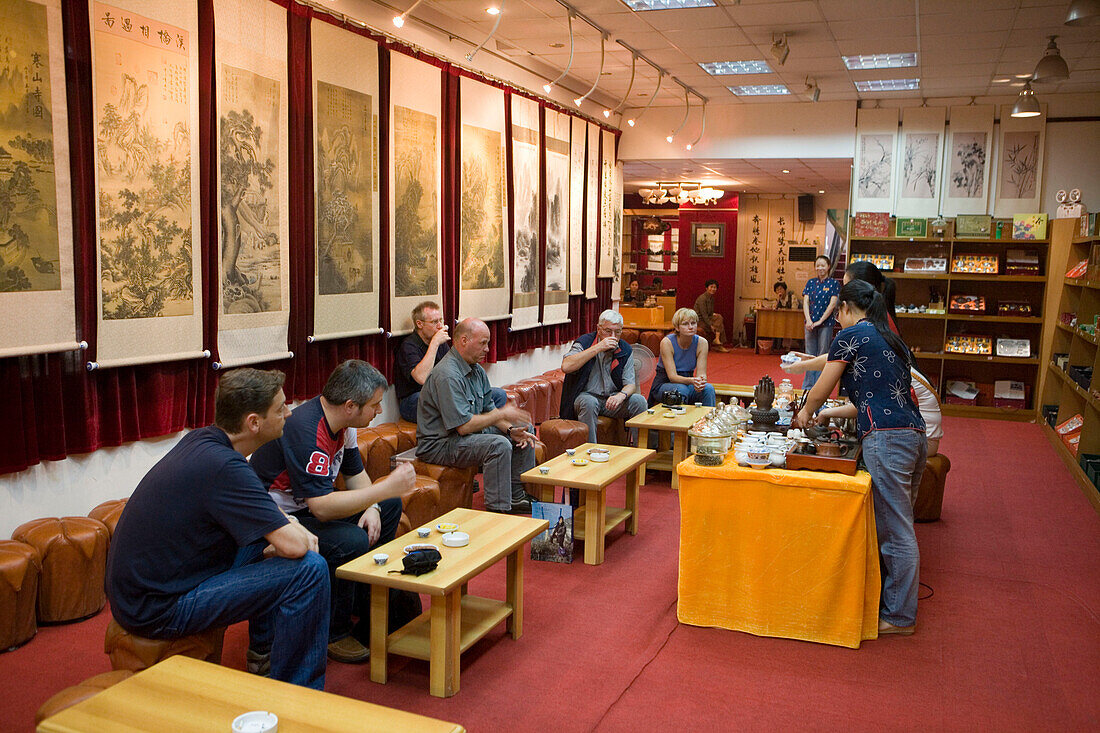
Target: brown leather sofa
74,562
20,565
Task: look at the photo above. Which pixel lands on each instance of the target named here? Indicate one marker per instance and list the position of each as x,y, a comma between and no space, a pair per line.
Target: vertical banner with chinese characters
36,232
416,170
576,205
525,212
253,226
592,211
752,223
145,101
345,133
555,299
608,245
484,274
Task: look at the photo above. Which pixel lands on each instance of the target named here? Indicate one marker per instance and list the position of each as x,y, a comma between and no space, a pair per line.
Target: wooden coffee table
184,694
593,479
676,427
455,620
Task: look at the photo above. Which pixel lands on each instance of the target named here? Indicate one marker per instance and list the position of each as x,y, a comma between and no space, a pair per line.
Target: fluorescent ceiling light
639,5
759,90
888,85
736,67
880,61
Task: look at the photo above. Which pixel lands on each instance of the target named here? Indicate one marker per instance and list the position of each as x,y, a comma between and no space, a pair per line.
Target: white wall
73,486
1072,160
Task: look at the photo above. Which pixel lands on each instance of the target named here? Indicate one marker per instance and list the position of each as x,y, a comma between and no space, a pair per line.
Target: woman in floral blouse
819,298
872,363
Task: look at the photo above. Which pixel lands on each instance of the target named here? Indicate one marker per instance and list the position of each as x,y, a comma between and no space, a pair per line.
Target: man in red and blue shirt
299,470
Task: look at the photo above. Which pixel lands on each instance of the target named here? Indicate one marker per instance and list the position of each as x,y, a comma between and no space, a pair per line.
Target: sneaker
257,663
348,650
519,506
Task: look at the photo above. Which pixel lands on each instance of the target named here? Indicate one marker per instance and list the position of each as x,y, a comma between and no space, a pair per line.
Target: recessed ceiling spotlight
888,85
880,61
786,171
1023,76
557,45
492,10
1002,80
1017,83
821,190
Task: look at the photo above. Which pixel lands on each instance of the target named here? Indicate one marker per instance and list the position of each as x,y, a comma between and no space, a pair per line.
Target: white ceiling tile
729,37
900,29
674,20
772,14
948,24
834,10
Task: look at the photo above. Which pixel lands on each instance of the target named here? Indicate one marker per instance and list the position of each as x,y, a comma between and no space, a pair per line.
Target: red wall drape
52,407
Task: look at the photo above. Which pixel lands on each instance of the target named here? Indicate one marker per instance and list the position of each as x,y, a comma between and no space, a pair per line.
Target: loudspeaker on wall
806,208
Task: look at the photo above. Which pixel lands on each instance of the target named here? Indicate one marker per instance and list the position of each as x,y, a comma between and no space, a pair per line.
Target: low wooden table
592,480
781,323
455,620
183,694
676,427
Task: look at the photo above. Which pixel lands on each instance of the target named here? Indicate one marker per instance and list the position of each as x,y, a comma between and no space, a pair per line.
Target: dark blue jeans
340,541
286,604
407,406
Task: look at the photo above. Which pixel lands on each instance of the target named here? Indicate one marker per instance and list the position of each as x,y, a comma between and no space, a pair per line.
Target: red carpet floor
1010,640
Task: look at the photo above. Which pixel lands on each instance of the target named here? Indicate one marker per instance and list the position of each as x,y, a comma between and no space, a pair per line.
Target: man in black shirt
201,543
418,353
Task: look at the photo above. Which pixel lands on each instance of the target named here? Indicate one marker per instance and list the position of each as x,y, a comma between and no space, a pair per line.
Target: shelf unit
1080,296
927,333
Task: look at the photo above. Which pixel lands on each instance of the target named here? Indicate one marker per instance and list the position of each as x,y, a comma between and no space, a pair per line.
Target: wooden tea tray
846,464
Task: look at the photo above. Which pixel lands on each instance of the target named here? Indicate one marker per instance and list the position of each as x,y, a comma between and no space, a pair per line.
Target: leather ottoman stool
610,431
74,561
135,653
79,692
929,501
108,512
652,341
20,566
558,435
630,335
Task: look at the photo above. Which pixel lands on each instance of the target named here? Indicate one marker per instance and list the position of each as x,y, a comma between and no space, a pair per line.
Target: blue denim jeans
691,395
286,603
340,541
895,459
407,406
817,343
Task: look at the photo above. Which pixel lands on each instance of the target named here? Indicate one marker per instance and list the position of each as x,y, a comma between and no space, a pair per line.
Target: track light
813,89
547,87
660,76
399,20
780,48
578,100
702,127
1052,67
1026,104
687,111
630,86
500,14
1083,12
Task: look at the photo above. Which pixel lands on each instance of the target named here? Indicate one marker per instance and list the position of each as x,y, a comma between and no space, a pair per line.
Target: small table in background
592,479
182,694
456,620
675,427
780,323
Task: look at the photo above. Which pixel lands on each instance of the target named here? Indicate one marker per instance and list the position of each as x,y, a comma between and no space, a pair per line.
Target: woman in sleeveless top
683,366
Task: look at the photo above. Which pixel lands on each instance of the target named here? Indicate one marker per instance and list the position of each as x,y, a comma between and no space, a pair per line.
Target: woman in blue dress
872,363
683,366
819,300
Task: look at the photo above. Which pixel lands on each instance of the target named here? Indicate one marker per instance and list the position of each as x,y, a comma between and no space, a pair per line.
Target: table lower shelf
613,516
479,616
662,461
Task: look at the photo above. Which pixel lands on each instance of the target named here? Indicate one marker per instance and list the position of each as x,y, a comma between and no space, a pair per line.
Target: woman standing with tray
872,363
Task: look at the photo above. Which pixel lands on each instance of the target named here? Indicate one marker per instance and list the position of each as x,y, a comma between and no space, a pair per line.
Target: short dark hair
354,380
657,280
778,284
823,257
244,391
418,311
710,282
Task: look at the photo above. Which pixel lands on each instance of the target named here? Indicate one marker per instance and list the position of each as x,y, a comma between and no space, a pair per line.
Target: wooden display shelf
1035,320
1082,282
1022,414
917,275
999,278
925,316
1089,399
1074,467
990,359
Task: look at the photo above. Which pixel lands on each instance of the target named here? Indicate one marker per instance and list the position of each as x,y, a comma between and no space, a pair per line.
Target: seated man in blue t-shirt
300,469
418,353
201,544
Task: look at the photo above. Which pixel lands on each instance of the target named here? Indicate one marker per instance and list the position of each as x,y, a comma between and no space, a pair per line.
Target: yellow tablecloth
778,553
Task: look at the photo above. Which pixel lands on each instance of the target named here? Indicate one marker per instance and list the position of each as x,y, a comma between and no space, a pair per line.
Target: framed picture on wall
708,239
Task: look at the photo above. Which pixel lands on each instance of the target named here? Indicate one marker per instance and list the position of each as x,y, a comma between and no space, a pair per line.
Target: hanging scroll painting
525,201
145,102
967,160
921,156
1019,163
345,131
36,250
484,273
415,183
617,231
592,211
607,185
253,229
555,303
576,205
874,175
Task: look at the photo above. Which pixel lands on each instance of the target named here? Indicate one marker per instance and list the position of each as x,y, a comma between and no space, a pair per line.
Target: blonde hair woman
683,366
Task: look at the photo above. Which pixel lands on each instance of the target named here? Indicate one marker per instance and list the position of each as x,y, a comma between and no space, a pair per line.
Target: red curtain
52,407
